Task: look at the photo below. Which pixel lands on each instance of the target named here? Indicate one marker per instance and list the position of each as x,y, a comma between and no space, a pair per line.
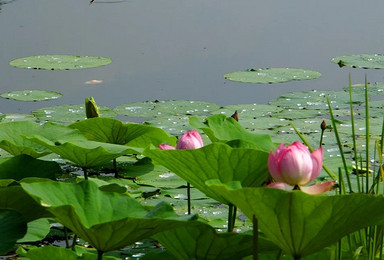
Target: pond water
181,49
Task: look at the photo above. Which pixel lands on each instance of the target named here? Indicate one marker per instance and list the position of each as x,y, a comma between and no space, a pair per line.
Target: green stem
115,168
366,132
74,242
66,237
230,218
234,217
85,171
99,255
189,197
255,238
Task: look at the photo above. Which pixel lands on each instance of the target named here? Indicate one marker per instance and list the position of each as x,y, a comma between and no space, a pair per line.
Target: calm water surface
180,49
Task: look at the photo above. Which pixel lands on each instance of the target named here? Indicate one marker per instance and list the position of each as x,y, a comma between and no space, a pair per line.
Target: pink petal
318,188
190,140
317,163
280,185
166,147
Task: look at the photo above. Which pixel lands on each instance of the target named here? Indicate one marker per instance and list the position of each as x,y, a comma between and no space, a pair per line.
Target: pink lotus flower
189,140
293,166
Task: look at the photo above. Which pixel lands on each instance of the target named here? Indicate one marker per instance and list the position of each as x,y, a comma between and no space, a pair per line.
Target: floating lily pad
163,108
365,61
68,113
248,111
272,75
59,62
16,117
31,95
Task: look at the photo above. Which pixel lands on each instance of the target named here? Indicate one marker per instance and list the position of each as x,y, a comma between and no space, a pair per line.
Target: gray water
180,49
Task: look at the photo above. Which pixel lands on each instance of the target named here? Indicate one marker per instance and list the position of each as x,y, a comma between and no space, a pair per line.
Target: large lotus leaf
84,153
272,75
114,131
166,108
201,241
12,140
15,198
220,128
365,61
31,95
215,161
59,62
12,227
23,166
37,230
299,223
107,220
67,114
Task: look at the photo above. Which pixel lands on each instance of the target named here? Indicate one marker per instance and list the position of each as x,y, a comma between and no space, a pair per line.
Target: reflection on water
181,49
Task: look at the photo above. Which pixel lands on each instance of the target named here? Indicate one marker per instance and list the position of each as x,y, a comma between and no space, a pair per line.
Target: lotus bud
91,109
323,126
190,140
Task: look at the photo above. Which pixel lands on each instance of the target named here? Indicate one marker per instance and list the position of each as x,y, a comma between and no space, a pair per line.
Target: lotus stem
189,197
255,238
74,242
99,255
230,218
115,168
85,173
66,237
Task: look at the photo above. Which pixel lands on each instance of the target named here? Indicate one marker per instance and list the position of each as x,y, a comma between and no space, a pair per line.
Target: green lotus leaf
15,198
220,128
201,241
59,62
299,223
23,166
365,61
31,95
67,114
114,131
36,230
214,161
12,227
106,220
12,140
84,153
272,75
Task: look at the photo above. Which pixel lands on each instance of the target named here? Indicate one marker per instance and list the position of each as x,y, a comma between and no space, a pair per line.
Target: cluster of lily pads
102,188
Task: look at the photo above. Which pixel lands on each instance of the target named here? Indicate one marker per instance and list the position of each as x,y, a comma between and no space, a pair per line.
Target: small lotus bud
323,125
91,109
235,116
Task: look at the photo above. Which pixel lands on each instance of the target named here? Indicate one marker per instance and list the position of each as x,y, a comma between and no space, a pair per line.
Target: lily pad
272,75
59,62
365,61
165,108
31,95
68,113
107,220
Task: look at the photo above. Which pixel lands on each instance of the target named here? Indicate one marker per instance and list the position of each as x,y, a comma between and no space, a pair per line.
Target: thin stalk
234,217
353,130
330,174
342,184
340,145
99,255
189,197
255,238
74,242
230,218
85,171
66,237
366,130
115,168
